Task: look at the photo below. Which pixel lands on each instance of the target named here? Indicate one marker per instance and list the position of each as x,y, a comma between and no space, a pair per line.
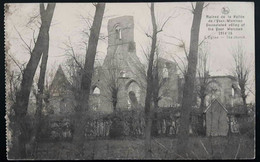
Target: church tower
120,30
120,40
121,63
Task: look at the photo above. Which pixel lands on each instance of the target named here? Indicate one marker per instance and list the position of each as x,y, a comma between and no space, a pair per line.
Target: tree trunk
78,137
22,96
149,90
90,56
189,85
114,105
202,102
40,92
155,119
114,96
155,99
243,95
244,101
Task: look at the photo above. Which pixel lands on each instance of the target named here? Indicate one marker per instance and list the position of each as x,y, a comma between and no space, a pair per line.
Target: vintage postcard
130,80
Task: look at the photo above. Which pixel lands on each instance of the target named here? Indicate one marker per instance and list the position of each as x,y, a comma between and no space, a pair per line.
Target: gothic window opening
133,91
232,96
96,91
123,74
165,72
118,32
96,98
134,87
128,103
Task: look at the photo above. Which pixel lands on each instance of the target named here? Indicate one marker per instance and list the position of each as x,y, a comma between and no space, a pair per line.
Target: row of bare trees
189,85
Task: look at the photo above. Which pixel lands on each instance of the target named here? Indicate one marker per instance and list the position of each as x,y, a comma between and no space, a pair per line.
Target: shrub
117,127
247,127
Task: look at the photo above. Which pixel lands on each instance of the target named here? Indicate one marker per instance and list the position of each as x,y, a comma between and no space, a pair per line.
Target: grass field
234,147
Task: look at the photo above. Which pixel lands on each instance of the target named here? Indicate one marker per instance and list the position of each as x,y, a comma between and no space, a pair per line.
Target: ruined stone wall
224,94
225,84
119,66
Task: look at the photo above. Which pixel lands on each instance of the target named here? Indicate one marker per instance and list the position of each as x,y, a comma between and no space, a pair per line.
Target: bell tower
120,30
121,43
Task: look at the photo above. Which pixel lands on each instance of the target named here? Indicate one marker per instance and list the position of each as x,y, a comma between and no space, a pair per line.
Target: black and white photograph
155,80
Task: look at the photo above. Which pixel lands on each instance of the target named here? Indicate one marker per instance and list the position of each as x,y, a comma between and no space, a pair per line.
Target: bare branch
182,45
145,53
32,19
183,71
164,24
241,69
87,21
187,9
18,65
27,46
205,38
148,35
206,5
192,7
34,39
73,55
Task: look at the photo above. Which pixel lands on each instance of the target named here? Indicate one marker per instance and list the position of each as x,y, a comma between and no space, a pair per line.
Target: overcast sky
68,24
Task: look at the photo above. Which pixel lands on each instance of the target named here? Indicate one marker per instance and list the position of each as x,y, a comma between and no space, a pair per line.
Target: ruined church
120,83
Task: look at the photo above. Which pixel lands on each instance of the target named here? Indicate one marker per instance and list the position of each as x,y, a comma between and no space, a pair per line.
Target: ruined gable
59,84
217,122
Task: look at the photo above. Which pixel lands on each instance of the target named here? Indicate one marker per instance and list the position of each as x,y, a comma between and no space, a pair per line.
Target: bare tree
112,80
159,83
87,76
189,84
150,82
74,69
114,88
90,55
152,78
159,86
203,74
15,78
180,61
147,108
40,91
22,97
241,69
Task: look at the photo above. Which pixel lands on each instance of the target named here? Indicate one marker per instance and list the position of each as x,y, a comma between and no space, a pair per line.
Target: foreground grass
233,147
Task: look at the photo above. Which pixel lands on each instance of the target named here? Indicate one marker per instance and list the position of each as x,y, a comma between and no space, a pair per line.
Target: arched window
118,32
165,72
233,92
232,96
95,99
134,88
96,91
128,103
123,73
